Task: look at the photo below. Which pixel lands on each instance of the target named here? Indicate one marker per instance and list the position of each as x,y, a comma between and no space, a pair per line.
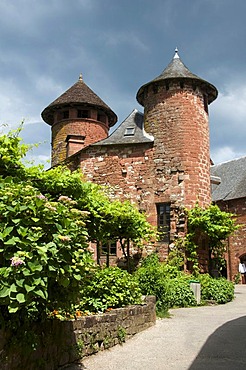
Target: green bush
153,282
180,294
109,288
218,290
167,283
43,249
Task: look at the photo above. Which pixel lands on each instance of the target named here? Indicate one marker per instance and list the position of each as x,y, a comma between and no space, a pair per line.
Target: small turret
78,118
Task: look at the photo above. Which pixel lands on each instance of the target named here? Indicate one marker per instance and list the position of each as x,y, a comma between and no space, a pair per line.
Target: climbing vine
216,225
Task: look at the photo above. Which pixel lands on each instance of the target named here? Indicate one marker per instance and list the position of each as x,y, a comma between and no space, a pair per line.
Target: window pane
163,220
129,131
110,246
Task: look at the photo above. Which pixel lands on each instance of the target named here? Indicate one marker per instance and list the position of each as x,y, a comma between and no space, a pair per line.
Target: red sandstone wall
91,129
178,121
236,245
129,171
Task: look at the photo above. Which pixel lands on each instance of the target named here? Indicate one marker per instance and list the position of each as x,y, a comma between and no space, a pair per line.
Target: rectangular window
163,221
110,247
129,131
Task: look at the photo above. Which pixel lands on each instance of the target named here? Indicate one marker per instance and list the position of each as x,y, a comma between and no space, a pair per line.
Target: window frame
108,247
163,221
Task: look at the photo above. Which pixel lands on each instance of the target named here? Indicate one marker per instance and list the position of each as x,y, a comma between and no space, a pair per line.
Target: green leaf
51,268
7,231
13,288
13,308
35,219
20,298
29,288
41,293
35,266
77,277
4,292
12,241
16,220
20,282
23,208
26,272
43,249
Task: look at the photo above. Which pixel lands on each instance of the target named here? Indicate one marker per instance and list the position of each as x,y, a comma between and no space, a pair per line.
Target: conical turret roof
177,70
78,94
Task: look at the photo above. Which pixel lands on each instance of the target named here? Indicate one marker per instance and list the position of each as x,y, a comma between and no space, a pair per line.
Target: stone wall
90,129
236,244
177,119
64,342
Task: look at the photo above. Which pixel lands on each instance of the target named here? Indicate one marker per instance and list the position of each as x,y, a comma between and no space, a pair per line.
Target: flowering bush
43,249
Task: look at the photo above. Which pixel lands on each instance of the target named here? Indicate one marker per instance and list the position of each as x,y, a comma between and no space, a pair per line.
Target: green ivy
216,225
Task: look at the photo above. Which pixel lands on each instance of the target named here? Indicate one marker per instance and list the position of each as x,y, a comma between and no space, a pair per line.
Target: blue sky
118,45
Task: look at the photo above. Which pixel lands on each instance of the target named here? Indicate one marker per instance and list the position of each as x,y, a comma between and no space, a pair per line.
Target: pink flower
16,261
41,196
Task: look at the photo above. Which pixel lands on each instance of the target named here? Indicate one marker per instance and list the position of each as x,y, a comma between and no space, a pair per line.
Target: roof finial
80,77
176,56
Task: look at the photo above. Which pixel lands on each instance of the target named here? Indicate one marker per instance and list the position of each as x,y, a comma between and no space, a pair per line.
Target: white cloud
231,104
228,122
224,154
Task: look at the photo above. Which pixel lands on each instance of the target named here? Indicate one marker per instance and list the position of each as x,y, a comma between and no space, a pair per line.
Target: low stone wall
62,343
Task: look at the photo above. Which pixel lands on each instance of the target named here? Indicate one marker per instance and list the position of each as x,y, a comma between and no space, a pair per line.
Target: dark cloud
119,46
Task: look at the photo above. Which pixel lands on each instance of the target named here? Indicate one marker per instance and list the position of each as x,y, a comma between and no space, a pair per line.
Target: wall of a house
236,244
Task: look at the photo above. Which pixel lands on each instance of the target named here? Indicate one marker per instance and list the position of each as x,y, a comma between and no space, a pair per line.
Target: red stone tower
176,114
78,118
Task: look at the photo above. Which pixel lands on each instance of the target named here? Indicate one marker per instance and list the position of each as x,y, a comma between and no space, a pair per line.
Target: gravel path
211,338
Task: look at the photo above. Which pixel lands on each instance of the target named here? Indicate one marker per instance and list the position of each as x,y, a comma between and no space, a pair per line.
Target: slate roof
78,94
130,131
177,70
233,180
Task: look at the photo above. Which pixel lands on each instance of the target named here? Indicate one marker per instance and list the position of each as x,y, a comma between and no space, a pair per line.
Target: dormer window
129,131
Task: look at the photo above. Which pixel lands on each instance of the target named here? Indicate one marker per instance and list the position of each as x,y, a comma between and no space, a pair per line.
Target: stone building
160,159
229,192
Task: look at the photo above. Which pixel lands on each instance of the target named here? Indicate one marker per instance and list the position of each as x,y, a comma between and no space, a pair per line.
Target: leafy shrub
218,290
172,287
152,282
43,249
110,288
167,283
180,294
